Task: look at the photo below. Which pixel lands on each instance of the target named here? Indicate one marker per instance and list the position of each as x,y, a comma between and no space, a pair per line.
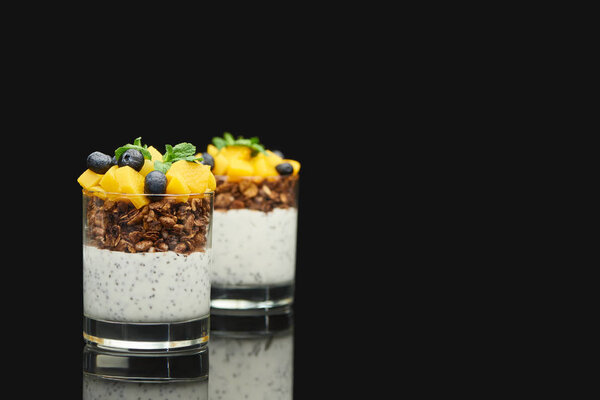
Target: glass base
251,297
177,365
125,336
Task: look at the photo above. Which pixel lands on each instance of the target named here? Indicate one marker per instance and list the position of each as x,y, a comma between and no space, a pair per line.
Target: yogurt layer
95,388
145,287
253,247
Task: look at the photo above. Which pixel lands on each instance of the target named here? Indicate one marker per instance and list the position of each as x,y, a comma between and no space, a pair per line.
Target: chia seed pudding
253,247
145,287
96,388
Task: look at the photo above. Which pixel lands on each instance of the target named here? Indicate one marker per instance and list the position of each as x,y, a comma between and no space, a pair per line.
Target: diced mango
109,181
89,178
212,182
212,150
295,164
236,152
221,164
132,182
147,168
262,167
177,185
156,155
273,159
194,175
239,168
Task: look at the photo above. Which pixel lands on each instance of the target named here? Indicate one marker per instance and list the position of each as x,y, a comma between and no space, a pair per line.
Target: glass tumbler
255,225
146,262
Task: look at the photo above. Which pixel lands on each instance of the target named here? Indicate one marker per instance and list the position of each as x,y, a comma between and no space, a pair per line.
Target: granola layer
263,195
159,226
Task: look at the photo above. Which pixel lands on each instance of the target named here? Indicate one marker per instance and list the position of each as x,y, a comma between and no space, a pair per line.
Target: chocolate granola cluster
159,226
264,196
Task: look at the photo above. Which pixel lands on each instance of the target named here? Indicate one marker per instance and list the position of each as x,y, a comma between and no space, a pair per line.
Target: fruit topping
142,171
207,159
242,157
99,162
155,183
285,169
89,179
132,158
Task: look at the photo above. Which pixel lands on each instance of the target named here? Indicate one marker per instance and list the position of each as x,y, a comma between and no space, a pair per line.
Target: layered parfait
255,222
147,247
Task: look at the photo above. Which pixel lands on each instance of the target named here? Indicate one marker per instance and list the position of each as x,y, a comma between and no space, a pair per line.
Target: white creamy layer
145,287
252,247
95,388
252,369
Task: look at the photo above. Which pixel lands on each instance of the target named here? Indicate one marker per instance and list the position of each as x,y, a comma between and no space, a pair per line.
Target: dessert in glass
147,224
251,356
255,224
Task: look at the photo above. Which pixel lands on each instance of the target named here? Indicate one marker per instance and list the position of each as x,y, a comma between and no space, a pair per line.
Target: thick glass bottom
125,336
177,365
251,297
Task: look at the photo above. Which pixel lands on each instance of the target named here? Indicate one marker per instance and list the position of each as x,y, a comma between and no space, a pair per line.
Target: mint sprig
182,151
137,145
228,140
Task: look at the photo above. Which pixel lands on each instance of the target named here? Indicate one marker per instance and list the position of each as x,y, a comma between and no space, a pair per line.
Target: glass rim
256,176
125,195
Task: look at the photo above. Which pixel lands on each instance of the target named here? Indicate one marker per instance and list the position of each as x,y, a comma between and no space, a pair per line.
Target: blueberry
208,160
284,168
132,158
99,162
114,161
155,182
278,153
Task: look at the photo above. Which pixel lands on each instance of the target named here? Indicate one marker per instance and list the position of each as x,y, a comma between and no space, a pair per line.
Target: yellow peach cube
212,150
212,182
147,168
109,181
156,155
273,159
239,167
221,164
132,182
89,178
262,167
177,185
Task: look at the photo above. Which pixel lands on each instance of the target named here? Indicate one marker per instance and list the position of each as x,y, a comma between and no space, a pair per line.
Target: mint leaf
162,166
123,149
219,142
184,150
138,141
228,140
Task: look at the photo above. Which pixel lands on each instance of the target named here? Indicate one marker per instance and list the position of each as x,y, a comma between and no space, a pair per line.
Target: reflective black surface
249,356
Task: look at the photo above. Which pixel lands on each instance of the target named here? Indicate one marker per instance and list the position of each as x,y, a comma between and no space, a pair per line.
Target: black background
325,101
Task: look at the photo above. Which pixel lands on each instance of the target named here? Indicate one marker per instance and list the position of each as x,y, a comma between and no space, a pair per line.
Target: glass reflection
251,356
123,375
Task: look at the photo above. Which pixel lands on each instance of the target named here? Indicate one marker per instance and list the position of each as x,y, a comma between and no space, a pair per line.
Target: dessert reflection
251,357
122,375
